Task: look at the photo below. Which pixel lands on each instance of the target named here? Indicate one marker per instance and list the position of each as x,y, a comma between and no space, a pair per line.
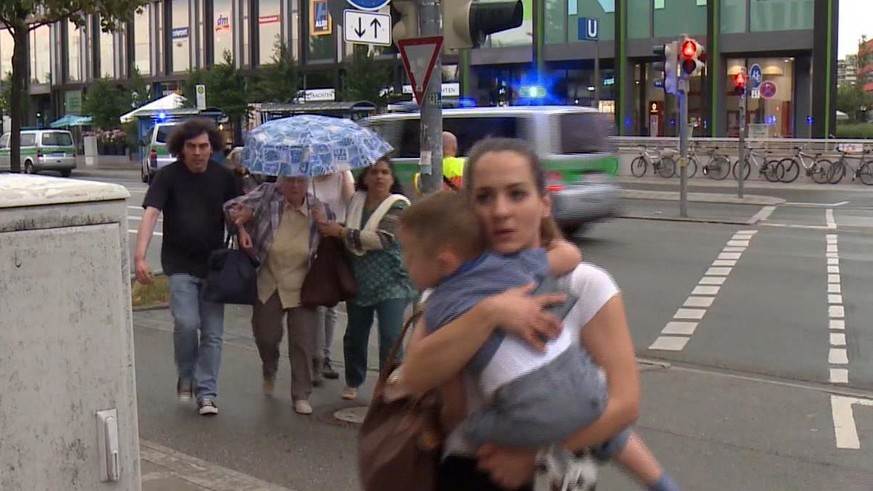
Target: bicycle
718,166
664,165
819,169
864,171
767,166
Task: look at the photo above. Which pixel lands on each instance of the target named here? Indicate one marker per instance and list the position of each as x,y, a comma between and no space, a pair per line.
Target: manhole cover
348,414
354,415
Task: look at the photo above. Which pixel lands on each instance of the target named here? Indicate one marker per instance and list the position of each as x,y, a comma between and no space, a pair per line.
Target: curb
702,197
716,221
201,473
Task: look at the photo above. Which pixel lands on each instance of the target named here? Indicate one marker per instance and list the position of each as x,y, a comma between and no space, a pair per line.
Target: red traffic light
689,49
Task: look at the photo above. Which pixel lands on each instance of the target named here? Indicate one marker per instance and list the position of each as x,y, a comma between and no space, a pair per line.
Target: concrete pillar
824,68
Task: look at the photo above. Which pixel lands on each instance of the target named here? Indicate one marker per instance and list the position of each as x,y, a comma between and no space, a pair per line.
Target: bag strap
392,355
449,183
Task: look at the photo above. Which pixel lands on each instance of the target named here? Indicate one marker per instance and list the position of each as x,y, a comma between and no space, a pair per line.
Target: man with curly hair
190,193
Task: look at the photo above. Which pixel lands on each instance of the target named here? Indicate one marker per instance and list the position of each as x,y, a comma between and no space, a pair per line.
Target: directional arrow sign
366,28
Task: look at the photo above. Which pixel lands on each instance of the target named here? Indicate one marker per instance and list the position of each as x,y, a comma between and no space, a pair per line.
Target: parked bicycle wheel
667,167
772,170
837,172
822,171
718,168
639,167
865,173
743,169
792,169
690,168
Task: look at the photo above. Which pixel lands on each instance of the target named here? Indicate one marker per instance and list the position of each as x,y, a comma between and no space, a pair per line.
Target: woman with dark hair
384,287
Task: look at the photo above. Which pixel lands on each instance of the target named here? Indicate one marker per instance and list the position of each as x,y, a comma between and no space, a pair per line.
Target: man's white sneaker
208,407
302,406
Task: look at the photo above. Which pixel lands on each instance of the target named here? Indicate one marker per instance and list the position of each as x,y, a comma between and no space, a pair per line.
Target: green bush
855,131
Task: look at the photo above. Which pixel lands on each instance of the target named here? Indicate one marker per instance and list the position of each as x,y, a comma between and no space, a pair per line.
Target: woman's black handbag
231,277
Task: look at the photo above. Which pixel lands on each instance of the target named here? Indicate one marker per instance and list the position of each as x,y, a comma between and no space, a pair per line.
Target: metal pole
597,74
683,147
430,24
742,146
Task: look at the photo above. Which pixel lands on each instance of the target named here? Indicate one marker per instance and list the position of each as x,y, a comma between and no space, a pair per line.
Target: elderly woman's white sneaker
302,406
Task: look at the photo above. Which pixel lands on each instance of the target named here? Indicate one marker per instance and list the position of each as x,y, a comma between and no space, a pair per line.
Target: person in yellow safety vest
453,166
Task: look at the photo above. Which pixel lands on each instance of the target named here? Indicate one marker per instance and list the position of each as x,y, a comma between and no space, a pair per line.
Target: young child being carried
534,399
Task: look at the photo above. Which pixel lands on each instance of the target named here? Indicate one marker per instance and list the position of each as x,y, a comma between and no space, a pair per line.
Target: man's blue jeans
197,360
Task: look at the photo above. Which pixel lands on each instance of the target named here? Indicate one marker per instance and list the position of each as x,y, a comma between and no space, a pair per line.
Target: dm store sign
319,17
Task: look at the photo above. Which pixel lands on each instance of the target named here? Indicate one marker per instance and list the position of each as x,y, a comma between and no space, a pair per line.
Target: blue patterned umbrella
311,146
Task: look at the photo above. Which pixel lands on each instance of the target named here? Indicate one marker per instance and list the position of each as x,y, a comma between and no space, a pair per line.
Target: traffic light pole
430,24
683,146
742,147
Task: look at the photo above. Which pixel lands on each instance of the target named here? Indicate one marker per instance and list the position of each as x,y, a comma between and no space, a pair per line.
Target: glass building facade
785,37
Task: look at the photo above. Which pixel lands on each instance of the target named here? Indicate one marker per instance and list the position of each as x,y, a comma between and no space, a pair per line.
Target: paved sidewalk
164,469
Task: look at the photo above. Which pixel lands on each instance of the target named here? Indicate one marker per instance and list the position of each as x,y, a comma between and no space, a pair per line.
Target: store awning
71,120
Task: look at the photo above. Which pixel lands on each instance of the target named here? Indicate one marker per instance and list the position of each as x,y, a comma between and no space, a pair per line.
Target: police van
156,155
573,143
41,150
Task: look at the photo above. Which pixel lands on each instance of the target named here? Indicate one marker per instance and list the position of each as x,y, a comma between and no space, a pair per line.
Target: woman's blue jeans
390,314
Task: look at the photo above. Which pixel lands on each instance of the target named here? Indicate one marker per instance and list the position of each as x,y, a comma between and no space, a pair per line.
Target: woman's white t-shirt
329,190
593,287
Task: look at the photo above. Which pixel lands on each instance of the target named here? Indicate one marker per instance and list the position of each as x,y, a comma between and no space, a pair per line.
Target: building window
269,30
222,29
74,46
5,53
40,55
733,15
180,36
781,15
767,118
639,19
556,21
680,17
142,37
107,55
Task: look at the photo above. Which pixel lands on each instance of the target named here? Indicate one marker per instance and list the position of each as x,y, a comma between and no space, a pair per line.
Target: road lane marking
706,290
677,327
670,343
698,301
845,431
676,334
829,219
762,215
838,356
838,376
695,314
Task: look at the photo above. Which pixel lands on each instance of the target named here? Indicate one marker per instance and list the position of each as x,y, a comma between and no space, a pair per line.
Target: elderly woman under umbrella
278,222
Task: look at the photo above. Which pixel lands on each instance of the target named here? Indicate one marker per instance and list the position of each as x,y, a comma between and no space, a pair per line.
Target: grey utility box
68,416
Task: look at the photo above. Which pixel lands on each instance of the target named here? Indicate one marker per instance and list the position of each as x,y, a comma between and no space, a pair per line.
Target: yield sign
419,57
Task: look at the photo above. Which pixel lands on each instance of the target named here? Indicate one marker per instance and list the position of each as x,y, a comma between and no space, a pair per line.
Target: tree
105,102
140,93
365,77
226,88
22,16
279,80
851,98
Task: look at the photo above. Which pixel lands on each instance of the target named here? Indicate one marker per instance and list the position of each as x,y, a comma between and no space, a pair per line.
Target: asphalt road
758,327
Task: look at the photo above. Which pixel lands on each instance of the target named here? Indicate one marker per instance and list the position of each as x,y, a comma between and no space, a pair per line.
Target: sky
854,21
